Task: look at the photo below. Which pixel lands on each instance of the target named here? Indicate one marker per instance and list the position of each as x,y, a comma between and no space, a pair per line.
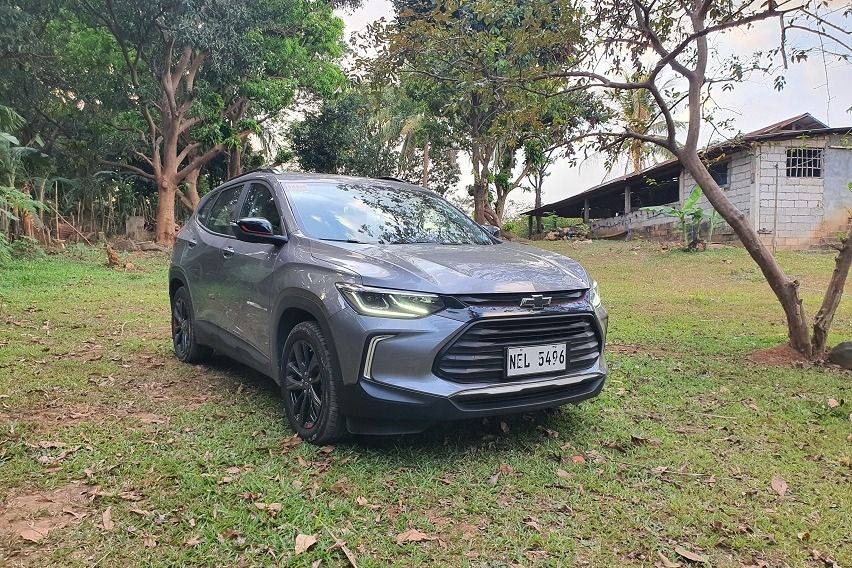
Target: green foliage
24,248
5,249
374,133
455,50
690,217
520,225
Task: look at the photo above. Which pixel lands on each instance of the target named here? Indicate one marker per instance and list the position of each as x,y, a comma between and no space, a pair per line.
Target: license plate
535,359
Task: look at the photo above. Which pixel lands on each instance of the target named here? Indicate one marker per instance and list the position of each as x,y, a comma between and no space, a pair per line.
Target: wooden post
56,208
626,199
529,226
586,210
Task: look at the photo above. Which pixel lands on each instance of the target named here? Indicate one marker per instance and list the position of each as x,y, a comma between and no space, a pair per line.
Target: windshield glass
380,215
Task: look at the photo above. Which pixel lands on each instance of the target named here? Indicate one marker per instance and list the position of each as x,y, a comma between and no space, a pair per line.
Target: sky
820,87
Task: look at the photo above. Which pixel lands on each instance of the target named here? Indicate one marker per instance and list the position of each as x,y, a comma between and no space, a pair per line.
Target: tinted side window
219,218
260,203
204,211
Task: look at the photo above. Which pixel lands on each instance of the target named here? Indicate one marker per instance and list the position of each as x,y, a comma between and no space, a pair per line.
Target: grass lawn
111,452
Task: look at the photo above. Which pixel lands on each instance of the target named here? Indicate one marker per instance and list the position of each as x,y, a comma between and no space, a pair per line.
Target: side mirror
257,230
492,230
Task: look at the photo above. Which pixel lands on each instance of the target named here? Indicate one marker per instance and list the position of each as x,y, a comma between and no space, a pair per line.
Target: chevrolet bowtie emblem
536,301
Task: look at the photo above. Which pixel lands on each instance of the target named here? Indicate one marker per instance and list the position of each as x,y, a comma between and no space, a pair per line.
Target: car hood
455,269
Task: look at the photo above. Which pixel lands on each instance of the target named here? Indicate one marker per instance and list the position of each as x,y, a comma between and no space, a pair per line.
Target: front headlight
387,303
594,295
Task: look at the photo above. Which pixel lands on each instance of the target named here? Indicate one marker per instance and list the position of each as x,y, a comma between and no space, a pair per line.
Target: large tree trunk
235,164
190,192
833,295
785,288
164,232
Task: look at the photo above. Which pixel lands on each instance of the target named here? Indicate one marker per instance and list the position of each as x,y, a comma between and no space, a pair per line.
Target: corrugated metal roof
806,123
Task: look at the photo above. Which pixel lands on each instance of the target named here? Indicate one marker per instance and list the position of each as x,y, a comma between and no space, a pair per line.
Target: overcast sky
754,103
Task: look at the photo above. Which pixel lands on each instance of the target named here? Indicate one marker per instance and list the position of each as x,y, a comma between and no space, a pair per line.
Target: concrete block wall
791,209
740,188
809,210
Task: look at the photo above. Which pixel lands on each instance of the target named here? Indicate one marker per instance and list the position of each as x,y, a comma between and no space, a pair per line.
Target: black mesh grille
478,354
514,299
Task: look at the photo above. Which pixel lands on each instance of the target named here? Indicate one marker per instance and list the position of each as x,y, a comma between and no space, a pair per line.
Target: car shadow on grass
442,440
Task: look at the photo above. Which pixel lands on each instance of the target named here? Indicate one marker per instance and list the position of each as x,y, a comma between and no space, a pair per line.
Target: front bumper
390,385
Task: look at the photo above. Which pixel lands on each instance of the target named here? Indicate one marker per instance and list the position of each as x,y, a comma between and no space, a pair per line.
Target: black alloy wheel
310,385
187,349
303,383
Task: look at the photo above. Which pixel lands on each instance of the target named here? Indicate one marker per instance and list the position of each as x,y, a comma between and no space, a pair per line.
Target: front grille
513,299
478,354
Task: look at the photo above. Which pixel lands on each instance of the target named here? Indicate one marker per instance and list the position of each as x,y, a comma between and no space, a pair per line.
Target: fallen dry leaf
563,474
192,541
832,403
31,534
304,542
362,502
778,485
640,441
346,552
666,562
106,519
690,555
413,535
578,459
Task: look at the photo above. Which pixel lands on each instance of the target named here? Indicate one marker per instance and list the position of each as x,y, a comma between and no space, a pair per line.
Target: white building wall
789,212
791,208
740,188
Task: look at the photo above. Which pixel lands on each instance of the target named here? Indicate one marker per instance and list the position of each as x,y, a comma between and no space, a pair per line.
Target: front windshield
377,214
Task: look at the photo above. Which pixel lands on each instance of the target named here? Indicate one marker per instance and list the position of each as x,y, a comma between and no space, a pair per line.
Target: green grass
679,449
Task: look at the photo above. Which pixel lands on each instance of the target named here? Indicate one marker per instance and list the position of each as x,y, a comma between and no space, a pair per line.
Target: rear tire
187,349
310,386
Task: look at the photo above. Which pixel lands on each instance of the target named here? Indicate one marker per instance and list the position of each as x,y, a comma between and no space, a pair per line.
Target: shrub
26,248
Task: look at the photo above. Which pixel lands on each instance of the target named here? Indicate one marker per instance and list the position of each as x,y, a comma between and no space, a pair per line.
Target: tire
310,387
186,348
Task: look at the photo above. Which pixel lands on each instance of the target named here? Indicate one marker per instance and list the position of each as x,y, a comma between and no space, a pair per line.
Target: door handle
191,243
228,252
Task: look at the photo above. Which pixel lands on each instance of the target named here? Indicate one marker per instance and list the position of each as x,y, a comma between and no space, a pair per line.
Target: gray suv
379,307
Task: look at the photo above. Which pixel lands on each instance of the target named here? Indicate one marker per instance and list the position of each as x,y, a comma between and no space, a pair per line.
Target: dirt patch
32,516
49,418
632,349
779,356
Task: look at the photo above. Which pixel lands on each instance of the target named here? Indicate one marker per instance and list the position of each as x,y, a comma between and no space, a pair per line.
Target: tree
198,77
344,137
541,159
376,131
670,40
639,113
453,51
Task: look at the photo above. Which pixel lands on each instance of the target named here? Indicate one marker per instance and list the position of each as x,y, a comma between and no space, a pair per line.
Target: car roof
307,177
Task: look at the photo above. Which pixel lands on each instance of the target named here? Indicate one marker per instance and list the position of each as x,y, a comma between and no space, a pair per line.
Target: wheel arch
177,279
293,307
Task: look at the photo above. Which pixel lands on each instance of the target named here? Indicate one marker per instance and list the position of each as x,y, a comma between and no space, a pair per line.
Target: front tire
309,386
187,349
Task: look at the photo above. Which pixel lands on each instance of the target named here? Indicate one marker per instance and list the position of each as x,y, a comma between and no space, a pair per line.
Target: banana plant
688,215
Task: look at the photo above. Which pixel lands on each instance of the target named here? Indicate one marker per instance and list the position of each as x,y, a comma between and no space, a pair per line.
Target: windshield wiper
354,241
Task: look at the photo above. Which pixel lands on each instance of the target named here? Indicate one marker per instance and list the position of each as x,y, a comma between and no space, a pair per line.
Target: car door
191,242
215,245
250,269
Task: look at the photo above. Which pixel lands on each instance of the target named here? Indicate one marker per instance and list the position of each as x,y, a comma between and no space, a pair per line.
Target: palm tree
638,112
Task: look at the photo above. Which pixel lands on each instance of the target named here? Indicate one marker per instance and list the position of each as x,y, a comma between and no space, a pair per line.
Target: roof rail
391,178
256,171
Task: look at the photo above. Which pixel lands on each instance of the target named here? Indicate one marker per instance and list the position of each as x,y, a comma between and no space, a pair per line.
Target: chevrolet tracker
379,307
